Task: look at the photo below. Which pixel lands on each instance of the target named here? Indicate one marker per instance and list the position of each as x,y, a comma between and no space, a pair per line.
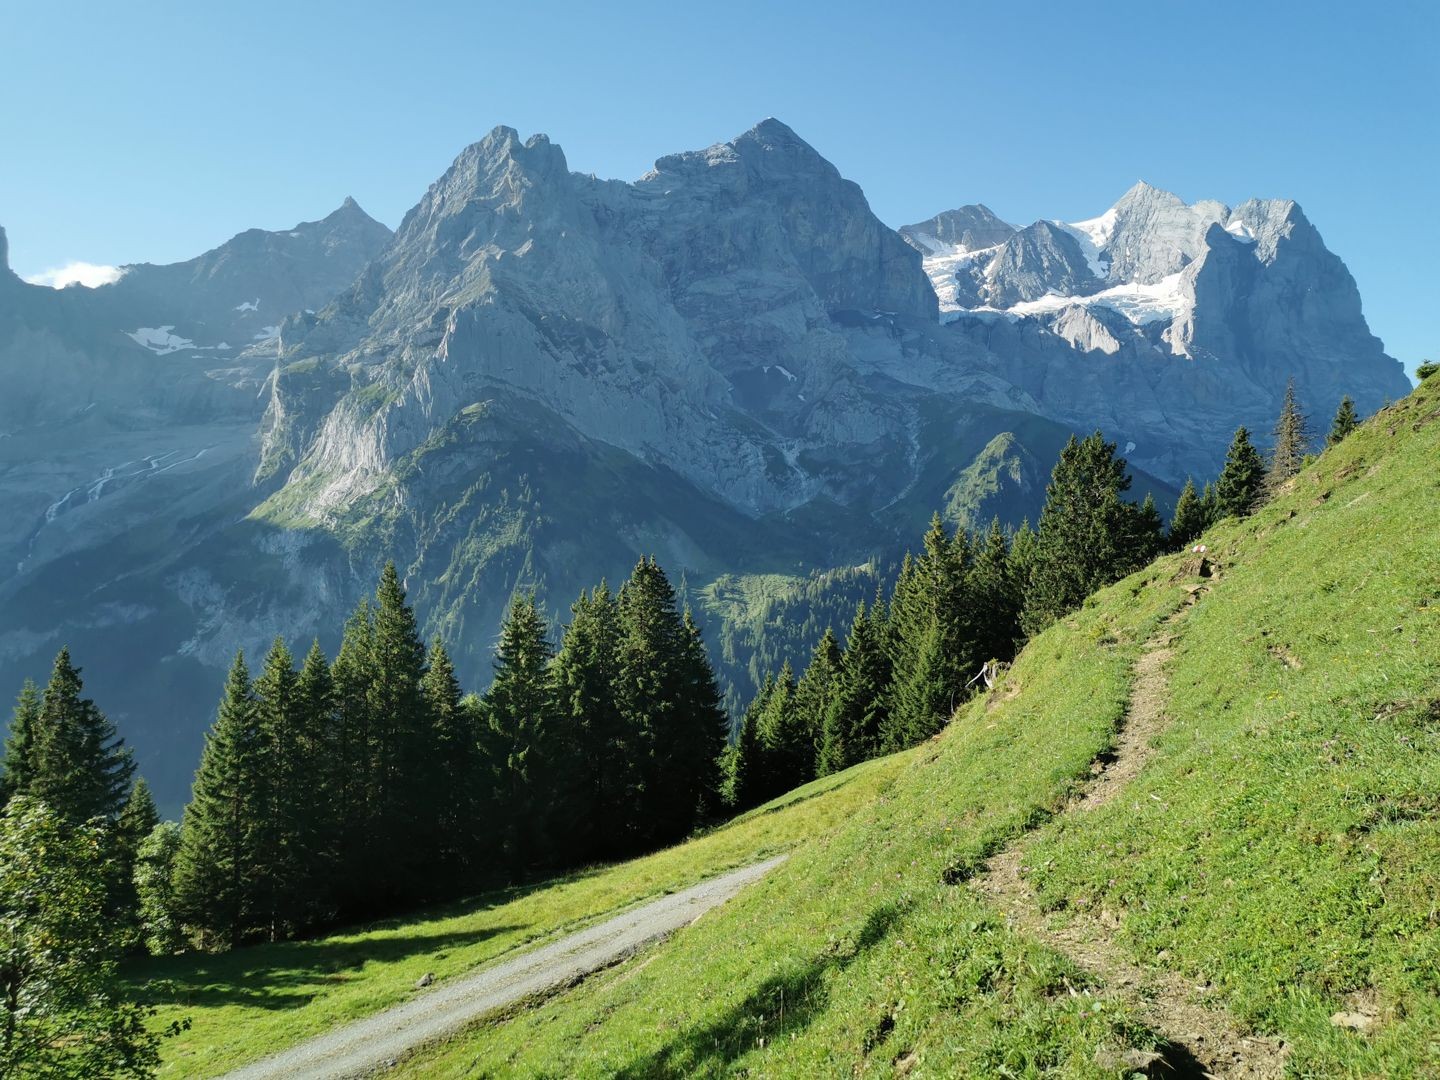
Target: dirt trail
377,1042
1203,1039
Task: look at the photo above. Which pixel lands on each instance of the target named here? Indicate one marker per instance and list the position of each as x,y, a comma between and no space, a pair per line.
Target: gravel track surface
370,1045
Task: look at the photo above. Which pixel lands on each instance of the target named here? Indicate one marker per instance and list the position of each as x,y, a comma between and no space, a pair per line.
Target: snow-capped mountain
730,362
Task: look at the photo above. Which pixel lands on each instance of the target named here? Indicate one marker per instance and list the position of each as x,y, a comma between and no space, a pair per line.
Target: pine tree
19,764
520,709
814,693
82,767
1089,536
1344,423
924,700
1188,521
1242,480
700,736
858,713
215,867
1292,443
602,774
1209,505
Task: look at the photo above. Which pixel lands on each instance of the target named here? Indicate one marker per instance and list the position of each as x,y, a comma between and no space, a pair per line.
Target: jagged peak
4,252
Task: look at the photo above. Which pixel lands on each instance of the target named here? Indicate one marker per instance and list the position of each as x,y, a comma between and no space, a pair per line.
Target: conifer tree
321,764
520,709
456,829
1242,480
284,788
814,693
19,764
701,734
743,765
1188,521
858,713
995,596
353,778
137,820
1089,536
401,746
602,772
1292,443
671,705
789,749
1209,505
82,767
924,700
215,867
1344,423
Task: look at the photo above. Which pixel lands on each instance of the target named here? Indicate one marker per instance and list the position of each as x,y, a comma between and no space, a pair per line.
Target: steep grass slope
1280,850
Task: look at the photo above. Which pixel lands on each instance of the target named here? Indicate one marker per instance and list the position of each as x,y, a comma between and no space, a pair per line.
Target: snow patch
160,340
267,333
781,369
1240,231
1141,304
1129,448
249,305
1093,235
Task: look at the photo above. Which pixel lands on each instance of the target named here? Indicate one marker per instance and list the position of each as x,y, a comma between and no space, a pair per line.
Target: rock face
1169,324
729,363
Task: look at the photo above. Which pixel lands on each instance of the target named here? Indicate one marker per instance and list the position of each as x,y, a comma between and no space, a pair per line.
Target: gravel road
369,1045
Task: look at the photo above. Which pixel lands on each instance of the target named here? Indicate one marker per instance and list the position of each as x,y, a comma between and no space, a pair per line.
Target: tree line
908,660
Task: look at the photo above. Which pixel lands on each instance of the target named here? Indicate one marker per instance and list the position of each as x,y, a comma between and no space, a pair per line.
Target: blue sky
152,131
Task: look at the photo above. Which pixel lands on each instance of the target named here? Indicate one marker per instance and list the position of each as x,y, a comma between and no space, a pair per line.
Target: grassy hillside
1277,857
252,1002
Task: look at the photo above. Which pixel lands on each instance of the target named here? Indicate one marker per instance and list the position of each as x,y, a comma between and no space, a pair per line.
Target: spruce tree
353,778
1242,480
1188,521
215,867
815,691
924,700
403,759
788,746
520,709
743,763
19,764
284,789
671,706
1089,536
1210,511
602,776
1344,423
1292,443
82,767
995,596
456,826
858,713
321,763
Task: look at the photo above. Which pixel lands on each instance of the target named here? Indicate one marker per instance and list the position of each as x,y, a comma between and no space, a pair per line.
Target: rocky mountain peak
5,270
960,231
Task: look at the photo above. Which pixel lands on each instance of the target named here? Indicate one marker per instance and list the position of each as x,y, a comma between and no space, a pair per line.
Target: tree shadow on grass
286,975
780,1006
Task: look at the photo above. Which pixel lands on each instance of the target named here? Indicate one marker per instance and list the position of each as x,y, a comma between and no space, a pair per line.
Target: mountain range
730,362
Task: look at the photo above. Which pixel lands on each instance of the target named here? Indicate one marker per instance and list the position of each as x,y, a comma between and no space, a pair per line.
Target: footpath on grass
1202,1039
378,1041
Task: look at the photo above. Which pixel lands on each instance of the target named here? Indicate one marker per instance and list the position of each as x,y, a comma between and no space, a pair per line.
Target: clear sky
148,131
